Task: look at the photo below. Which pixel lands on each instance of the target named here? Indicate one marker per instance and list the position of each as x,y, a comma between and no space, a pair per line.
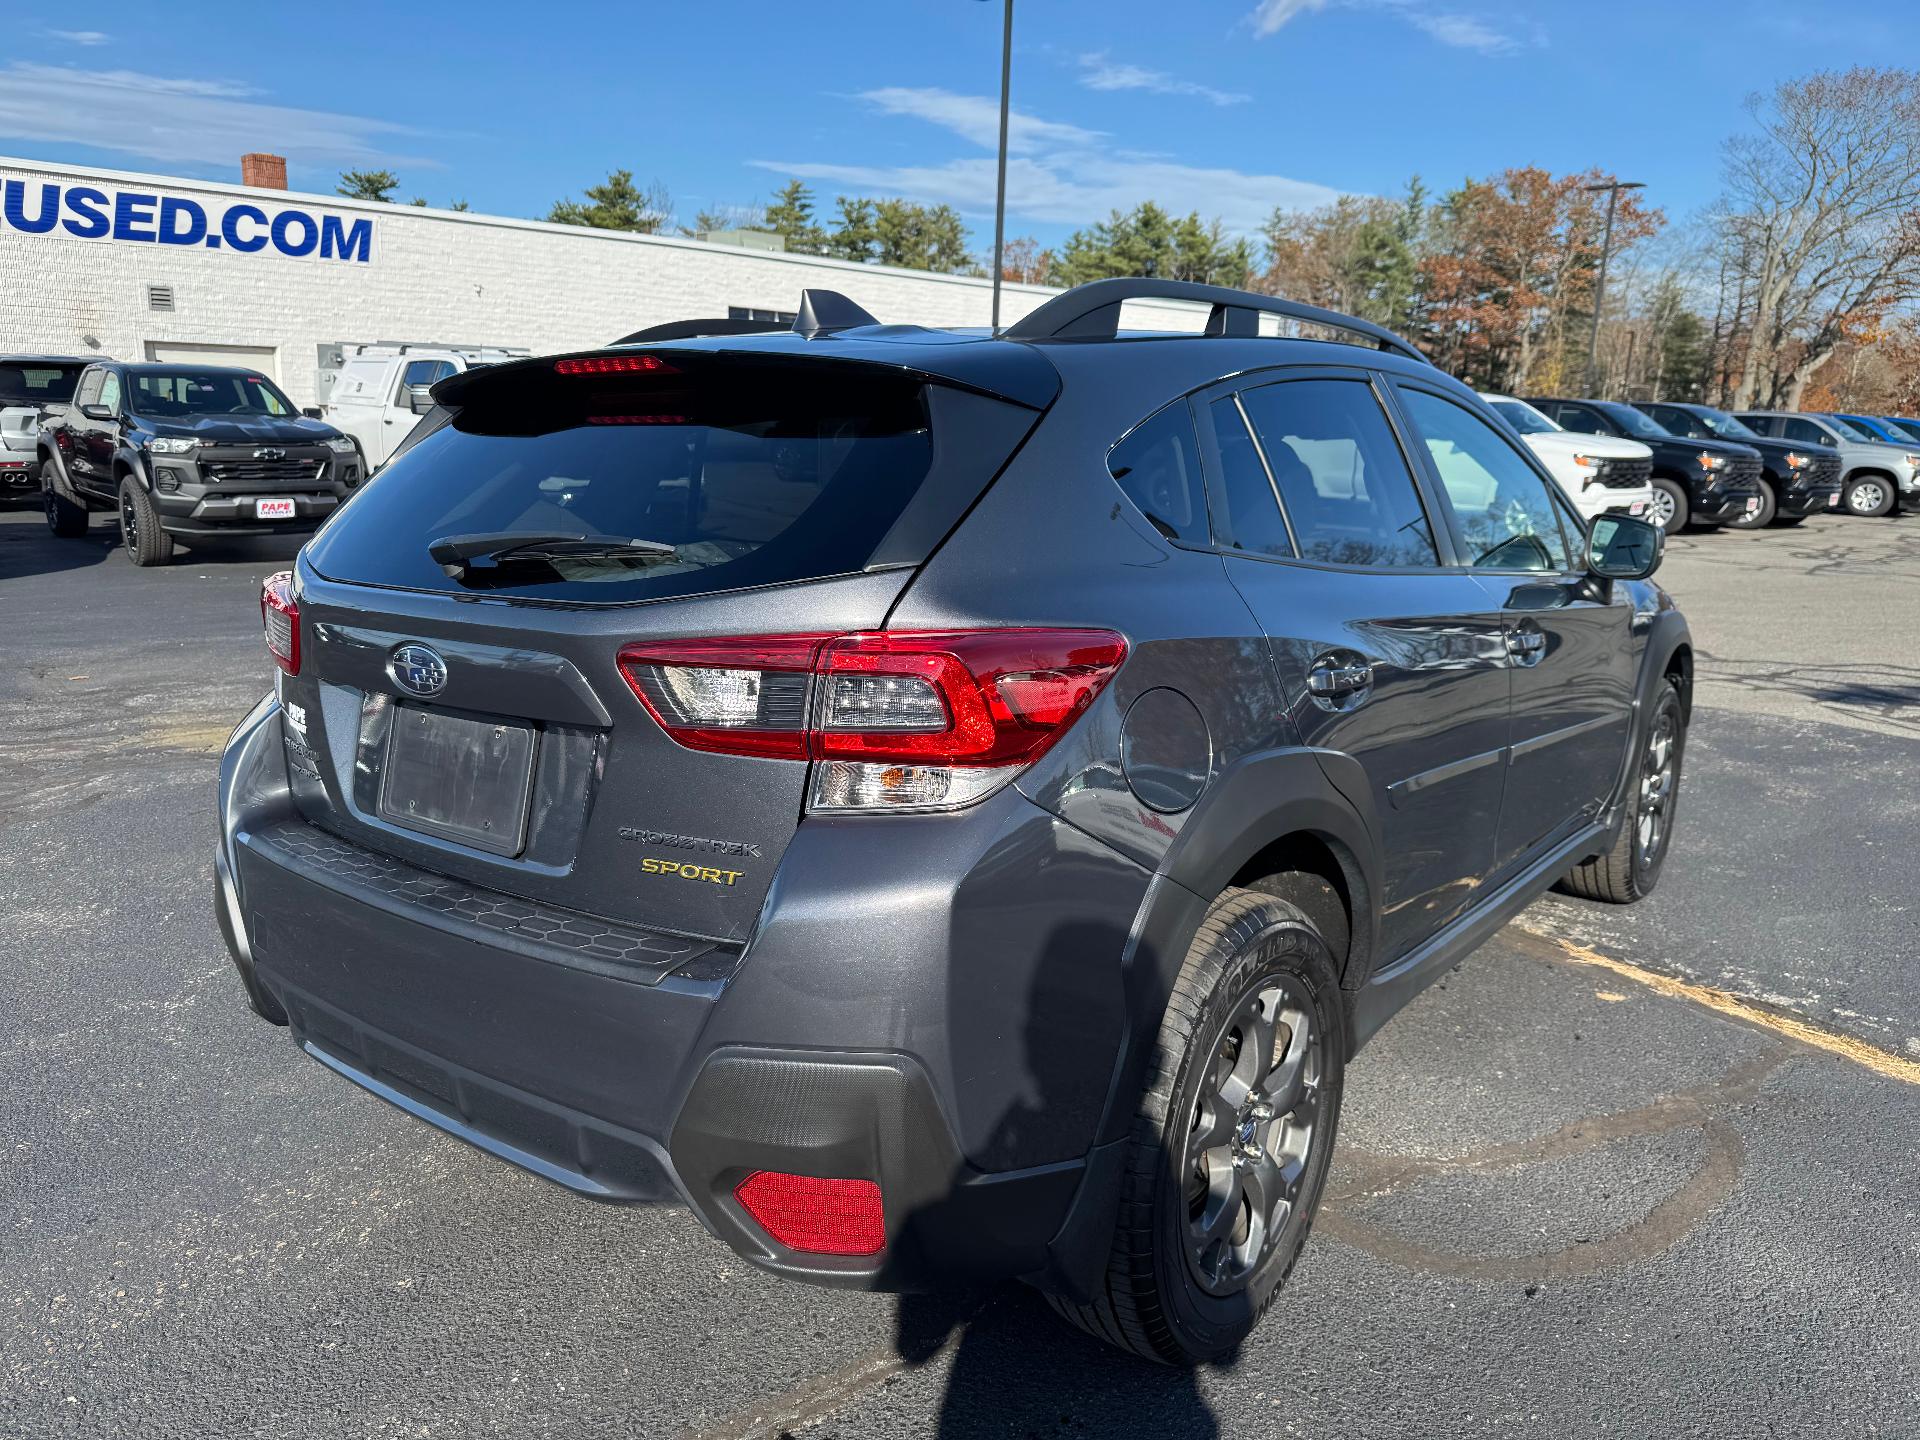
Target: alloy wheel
1661,509
1866,497
1252,1135
1657,780
129,524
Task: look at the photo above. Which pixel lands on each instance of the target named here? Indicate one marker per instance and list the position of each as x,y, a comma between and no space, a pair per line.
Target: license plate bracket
273,509
460,777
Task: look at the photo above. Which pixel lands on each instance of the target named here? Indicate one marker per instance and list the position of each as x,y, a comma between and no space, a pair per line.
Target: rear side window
1247,511
1158,465
741,474
1349,496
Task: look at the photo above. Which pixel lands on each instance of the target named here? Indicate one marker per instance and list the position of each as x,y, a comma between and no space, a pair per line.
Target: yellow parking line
1881,1062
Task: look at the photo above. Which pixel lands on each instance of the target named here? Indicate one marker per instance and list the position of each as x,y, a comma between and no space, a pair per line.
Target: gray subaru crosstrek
942,806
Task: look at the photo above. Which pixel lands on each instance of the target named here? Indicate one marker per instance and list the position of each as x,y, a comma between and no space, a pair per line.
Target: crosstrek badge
685,871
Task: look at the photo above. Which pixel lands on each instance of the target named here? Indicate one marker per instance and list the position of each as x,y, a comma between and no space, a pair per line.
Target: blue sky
1225,106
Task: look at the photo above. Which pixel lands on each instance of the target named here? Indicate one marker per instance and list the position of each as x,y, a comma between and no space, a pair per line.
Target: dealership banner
88,212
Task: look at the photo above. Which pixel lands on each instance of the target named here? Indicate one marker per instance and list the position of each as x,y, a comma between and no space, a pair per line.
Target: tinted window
1506,514
1805,430
1680,422
1348,494
1246,514
30,384
1632,421
1158,465
1578,417
422,372
754,474
172,394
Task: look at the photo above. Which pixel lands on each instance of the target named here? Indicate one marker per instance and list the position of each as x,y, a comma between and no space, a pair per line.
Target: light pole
1613,189
1000,189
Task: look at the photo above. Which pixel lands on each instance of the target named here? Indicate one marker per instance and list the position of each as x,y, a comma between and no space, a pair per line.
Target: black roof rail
1092,311
824,311
687,329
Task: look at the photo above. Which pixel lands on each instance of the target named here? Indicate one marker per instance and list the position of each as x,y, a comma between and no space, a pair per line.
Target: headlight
1914,460
340,445
167,445
1799,462
1711,462
1586,462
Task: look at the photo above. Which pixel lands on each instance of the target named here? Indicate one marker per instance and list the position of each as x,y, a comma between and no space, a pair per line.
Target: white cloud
81,37
1056,173
1098,72
1450,27
202,122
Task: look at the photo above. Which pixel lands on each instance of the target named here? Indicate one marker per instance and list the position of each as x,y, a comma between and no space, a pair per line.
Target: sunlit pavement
1624,1173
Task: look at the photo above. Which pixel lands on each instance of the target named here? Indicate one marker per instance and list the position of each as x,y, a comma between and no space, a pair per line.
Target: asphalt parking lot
1624,1173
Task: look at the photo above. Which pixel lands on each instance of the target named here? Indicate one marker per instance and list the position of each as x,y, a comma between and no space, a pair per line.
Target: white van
380,392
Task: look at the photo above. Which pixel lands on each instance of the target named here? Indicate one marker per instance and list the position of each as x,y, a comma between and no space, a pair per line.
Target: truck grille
1823,473
1742,475
302,471
1625,474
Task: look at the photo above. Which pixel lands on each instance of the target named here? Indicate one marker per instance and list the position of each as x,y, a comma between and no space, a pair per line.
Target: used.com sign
93,214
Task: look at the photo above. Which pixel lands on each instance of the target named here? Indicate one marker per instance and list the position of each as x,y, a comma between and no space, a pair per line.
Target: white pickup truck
29,383
380,392
1598,473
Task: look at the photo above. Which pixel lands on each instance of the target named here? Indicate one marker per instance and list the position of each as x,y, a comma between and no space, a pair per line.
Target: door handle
1328,678
1527,646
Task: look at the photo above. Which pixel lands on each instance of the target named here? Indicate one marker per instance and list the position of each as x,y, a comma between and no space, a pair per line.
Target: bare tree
1823,209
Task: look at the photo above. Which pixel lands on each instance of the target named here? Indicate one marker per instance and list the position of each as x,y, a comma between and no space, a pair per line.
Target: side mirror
420,398
97,412
1620,547
312,412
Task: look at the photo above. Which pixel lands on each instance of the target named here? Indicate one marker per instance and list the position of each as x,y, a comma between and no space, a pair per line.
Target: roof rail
1092,311
824,311
687,329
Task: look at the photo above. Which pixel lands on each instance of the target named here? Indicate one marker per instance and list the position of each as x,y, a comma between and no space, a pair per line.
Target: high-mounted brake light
280,618
897,720
614,365
636,419
816,1215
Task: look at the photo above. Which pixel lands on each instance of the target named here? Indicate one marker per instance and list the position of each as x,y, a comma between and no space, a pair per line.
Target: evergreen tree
617,205
367,184
791,217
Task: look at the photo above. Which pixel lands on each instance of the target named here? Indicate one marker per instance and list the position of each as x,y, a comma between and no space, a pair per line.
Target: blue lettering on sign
87,213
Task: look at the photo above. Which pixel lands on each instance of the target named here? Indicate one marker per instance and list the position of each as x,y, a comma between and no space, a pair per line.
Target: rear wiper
453,553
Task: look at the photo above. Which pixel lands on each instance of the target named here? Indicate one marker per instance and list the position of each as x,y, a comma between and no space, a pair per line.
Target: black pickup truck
1796,479
188,451
1702,482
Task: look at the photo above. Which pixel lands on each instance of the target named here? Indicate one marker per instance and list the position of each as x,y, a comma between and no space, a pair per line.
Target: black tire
64,517
1761,518
1254,956
1630,870
140,533
1868,495
1670,493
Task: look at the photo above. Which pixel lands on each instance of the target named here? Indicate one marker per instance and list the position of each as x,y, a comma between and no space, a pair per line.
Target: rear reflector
280,618
614,365
815,1215
922,720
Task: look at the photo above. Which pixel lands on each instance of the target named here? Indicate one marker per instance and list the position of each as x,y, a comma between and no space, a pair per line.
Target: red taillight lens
926,720
614,365
280,618
734,697
816,1215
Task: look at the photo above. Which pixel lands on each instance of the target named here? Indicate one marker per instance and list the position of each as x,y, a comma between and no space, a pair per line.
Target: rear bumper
953,1041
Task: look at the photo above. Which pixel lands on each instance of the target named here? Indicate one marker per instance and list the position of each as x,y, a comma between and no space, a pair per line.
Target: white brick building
151,267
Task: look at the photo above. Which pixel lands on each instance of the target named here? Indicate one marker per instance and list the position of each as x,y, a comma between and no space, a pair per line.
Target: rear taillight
614,365
895,720
280,618
816,1215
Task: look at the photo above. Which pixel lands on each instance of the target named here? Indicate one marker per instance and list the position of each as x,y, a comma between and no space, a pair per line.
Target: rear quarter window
1158,466
753,474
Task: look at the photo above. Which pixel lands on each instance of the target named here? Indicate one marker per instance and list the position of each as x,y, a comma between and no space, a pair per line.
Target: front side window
89,391
1349,496
1578,417
1158,465
422,372
1806,432
1506,514
177,394
110,392
1680,422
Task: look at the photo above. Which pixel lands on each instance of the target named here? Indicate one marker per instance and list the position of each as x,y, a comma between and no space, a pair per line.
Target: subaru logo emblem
418,670
269,452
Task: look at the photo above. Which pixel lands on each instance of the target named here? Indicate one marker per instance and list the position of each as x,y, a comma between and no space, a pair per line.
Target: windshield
24,383
1726,426
1876,429
181,394
1524,418
1909,429
1635,423
1850,430
749,477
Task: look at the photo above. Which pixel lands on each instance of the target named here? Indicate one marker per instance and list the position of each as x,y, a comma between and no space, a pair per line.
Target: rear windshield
31,384
175,394
745,476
